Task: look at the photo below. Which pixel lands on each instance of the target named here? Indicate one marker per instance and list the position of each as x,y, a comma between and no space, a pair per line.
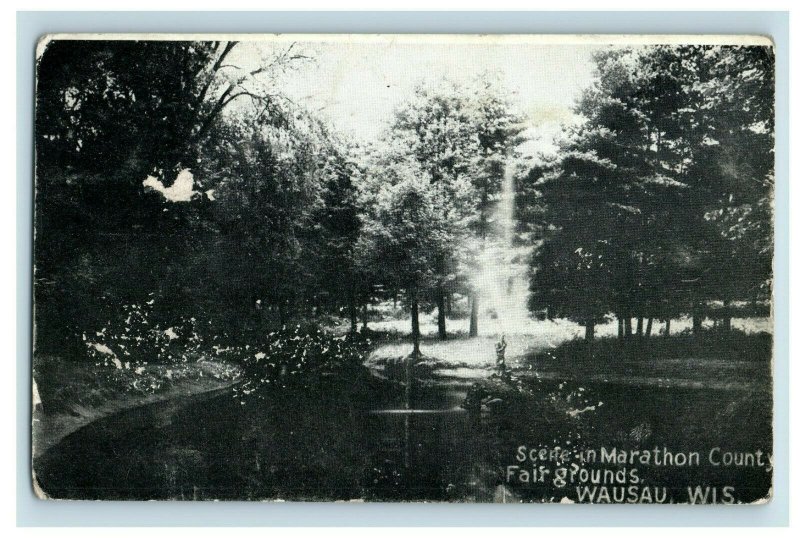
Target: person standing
500,349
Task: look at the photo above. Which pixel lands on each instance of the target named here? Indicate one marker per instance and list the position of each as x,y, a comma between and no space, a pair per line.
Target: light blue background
33,512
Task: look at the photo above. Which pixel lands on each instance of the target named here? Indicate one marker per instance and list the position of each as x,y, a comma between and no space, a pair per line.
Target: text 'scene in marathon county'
404,268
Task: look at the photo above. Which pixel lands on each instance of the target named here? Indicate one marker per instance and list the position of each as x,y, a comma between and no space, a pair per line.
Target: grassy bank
74,393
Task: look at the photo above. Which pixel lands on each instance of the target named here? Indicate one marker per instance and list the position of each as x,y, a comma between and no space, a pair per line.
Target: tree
498,129
339,277
286,208
110,113
659,176
461,137
405,235
434,129
735,171
571,273
132,107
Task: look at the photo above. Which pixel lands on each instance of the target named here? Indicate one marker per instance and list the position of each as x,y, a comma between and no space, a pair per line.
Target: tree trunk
697,323
589,331
441,313
648,331
364,316
415,324
667,327
473,316
726,319
628,328
620,328
639,324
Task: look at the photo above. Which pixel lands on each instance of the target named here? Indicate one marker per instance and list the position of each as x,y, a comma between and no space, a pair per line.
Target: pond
375,440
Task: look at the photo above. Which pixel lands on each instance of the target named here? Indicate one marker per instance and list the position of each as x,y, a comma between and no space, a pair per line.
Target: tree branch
234,89
214,69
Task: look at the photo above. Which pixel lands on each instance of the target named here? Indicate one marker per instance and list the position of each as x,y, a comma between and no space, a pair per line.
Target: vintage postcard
404,268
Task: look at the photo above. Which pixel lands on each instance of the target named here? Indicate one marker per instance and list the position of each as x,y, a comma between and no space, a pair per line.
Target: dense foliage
177,175
166,171
659,202
429,190
297,355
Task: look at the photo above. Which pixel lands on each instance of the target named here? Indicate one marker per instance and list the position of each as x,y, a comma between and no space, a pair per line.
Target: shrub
133,339
301,355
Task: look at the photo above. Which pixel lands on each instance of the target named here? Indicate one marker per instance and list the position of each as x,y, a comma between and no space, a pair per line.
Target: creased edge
37,488
44,41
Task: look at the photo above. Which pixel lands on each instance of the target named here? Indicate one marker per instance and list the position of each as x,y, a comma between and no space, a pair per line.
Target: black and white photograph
404,268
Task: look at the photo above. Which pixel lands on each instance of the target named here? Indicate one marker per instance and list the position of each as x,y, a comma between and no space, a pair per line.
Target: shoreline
48,430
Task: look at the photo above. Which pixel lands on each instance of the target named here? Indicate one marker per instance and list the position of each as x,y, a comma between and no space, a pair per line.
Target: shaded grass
64,385
715,360
735,345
